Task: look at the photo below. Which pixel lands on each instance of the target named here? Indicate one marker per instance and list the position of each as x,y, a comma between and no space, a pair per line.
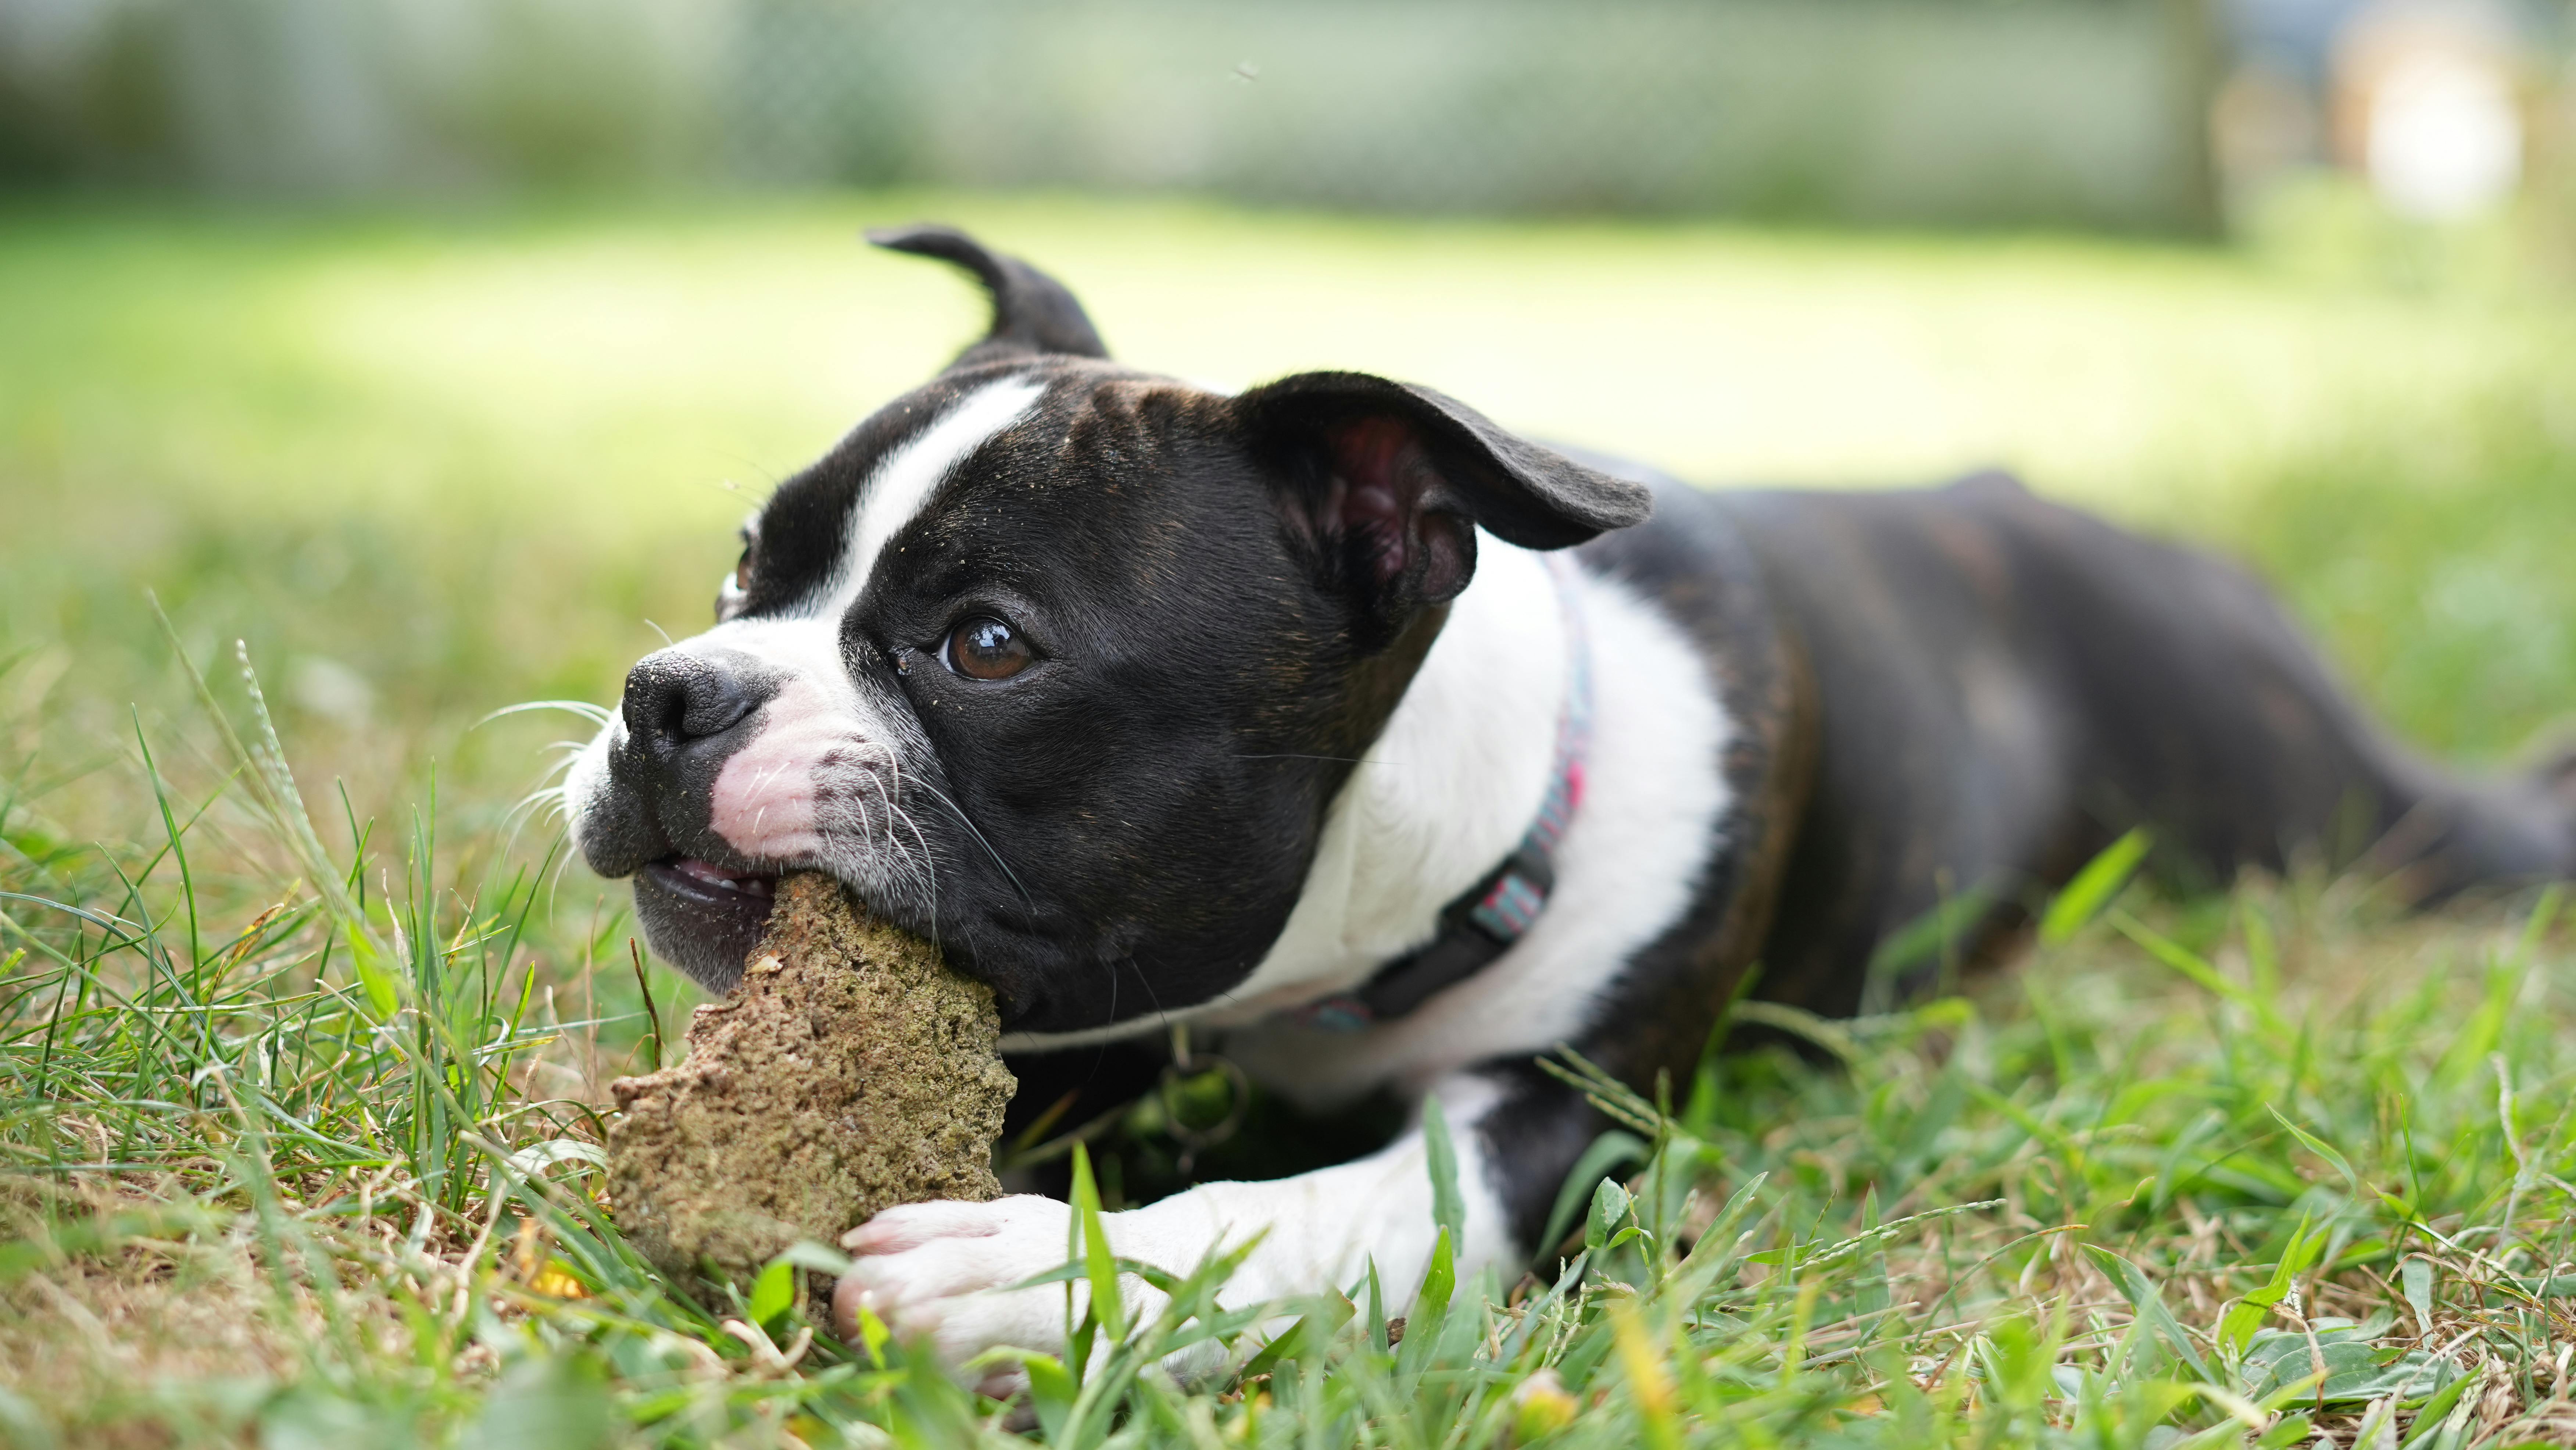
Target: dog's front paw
943,1272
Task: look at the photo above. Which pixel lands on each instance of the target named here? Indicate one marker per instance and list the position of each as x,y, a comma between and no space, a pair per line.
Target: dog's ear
1032,313
1385,484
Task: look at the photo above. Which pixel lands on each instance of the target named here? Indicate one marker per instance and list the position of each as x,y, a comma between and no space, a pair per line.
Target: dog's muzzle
700,902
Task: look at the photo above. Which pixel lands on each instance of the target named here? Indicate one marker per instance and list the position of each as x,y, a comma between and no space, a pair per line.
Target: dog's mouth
713,882
702,917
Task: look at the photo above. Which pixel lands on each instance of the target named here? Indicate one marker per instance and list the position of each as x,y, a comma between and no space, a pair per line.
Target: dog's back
2001,685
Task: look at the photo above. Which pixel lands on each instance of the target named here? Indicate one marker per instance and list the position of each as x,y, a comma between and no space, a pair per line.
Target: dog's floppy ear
1386,483
1032,313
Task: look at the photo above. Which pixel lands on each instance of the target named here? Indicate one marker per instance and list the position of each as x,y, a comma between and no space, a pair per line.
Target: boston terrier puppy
1395,750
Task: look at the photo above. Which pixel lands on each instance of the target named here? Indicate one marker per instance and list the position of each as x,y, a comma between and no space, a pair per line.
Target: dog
1394,750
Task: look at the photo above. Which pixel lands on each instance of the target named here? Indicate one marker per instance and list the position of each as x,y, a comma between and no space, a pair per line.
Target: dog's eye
735,589
985,648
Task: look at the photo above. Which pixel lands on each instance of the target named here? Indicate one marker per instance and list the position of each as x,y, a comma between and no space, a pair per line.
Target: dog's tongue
750,883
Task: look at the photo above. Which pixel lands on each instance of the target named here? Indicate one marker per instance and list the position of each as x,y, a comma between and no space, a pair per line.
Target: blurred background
2132,115
434,347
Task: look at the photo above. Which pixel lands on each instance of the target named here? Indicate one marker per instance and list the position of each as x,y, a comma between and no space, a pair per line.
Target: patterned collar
1487,919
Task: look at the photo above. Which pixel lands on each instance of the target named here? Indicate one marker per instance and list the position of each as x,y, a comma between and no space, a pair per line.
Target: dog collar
1488,918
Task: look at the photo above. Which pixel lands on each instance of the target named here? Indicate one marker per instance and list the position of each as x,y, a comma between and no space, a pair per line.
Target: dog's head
1059,663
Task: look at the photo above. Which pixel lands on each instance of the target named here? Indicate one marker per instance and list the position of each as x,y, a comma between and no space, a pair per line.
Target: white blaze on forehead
816,781
903,480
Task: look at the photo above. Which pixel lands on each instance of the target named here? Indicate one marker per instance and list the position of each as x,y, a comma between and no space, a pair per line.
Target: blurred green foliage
1980,112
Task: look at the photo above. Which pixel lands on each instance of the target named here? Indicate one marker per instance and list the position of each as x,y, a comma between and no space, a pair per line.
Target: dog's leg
943,1271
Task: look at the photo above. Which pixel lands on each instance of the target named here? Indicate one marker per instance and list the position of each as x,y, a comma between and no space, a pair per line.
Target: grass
304,1069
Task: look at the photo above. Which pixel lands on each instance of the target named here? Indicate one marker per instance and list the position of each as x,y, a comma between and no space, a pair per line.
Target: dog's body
1155,704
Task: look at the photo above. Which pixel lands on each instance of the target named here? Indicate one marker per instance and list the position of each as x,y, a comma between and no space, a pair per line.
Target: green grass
301,1083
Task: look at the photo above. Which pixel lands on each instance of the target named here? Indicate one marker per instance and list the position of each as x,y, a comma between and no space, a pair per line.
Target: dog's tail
2509,829
2556,778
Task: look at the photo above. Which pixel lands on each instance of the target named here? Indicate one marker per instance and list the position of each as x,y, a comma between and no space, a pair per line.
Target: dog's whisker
1147,982
942,797
929,870
889,787
919,859
563,863
599,715
859,803
545,795
519,826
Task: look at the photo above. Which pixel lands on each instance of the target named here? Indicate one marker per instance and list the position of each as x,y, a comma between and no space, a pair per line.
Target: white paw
942,1272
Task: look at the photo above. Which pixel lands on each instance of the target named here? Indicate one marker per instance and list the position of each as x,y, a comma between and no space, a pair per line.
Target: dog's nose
673,698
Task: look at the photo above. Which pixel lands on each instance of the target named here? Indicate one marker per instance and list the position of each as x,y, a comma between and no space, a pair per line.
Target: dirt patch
849,1072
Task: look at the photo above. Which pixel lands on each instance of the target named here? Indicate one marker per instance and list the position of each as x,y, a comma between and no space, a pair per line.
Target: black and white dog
1396,749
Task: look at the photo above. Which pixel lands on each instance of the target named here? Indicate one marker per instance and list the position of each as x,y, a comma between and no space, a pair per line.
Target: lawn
2148,1186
